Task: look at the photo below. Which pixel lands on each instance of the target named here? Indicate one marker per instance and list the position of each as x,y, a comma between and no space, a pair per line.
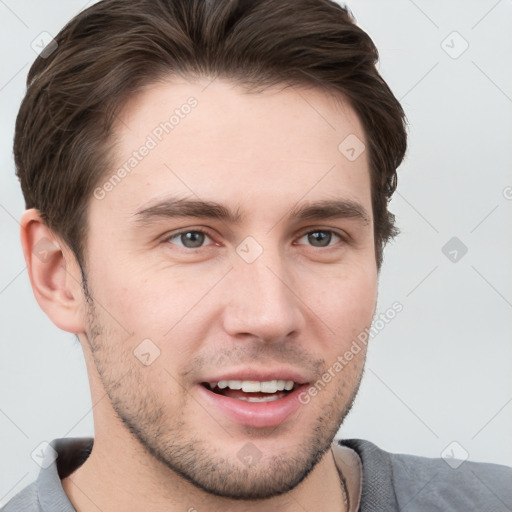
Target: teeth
269,398
235,384
254,386
251,386
269,386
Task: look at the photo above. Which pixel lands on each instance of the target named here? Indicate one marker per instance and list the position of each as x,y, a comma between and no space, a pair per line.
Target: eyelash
341,237
185,231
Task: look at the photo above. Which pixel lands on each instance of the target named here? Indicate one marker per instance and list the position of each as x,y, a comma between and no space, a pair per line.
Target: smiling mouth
252,391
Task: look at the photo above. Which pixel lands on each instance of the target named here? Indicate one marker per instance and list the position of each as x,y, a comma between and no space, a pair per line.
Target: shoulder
449,484
392,481
24,501
61,458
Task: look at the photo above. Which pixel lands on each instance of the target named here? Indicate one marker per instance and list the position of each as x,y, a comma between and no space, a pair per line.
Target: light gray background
440,371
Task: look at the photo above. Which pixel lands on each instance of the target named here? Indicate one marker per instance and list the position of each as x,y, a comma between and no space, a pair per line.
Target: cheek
172,307
131,291
344,301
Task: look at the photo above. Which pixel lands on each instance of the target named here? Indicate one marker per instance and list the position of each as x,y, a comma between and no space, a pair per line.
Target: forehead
214,140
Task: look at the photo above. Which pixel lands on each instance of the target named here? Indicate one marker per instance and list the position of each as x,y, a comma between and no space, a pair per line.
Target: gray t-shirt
390,482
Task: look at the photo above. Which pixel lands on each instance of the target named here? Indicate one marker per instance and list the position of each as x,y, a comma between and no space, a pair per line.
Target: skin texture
206,310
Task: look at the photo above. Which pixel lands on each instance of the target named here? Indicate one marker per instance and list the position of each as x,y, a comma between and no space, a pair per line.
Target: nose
262,301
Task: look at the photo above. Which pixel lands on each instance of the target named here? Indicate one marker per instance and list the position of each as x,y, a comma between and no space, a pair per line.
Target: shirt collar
370,483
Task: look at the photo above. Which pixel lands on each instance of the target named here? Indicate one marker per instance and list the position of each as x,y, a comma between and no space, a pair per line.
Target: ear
54,274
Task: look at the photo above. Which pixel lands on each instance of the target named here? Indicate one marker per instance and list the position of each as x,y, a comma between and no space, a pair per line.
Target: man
209,182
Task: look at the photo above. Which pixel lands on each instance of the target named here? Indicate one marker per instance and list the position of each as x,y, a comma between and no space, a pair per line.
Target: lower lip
255,414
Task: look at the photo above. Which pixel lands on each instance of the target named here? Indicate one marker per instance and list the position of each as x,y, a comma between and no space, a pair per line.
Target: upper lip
260,375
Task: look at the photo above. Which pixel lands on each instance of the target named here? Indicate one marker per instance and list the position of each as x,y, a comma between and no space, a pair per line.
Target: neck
120,475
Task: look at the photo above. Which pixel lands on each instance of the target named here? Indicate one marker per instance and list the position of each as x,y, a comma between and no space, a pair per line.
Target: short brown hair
109,51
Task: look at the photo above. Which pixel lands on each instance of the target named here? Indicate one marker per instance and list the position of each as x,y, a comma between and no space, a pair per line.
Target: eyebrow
175,207
331,209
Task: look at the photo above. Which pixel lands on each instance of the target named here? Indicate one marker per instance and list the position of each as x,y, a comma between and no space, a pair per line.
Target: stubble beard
174,443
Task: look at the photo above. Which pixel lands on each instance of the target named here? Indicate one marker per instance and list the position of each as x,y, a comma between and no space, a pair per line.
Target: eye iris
319,238
192,239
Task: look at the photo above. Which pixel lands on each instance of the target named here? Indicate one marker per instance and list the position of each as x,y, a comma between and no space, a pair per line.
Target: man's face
238,247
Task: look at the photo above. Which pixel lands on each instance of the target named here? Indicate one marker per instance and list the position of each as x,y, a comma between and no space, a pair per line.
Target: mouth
252,390
253,403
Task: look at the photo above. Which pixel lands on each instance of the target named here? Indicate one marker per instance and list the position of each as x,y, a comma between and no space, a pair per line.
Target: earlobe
54,274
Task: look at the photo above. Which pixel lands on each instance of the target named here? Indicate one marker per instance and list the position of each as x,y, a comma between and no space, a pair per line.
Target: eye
320,238
189,239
